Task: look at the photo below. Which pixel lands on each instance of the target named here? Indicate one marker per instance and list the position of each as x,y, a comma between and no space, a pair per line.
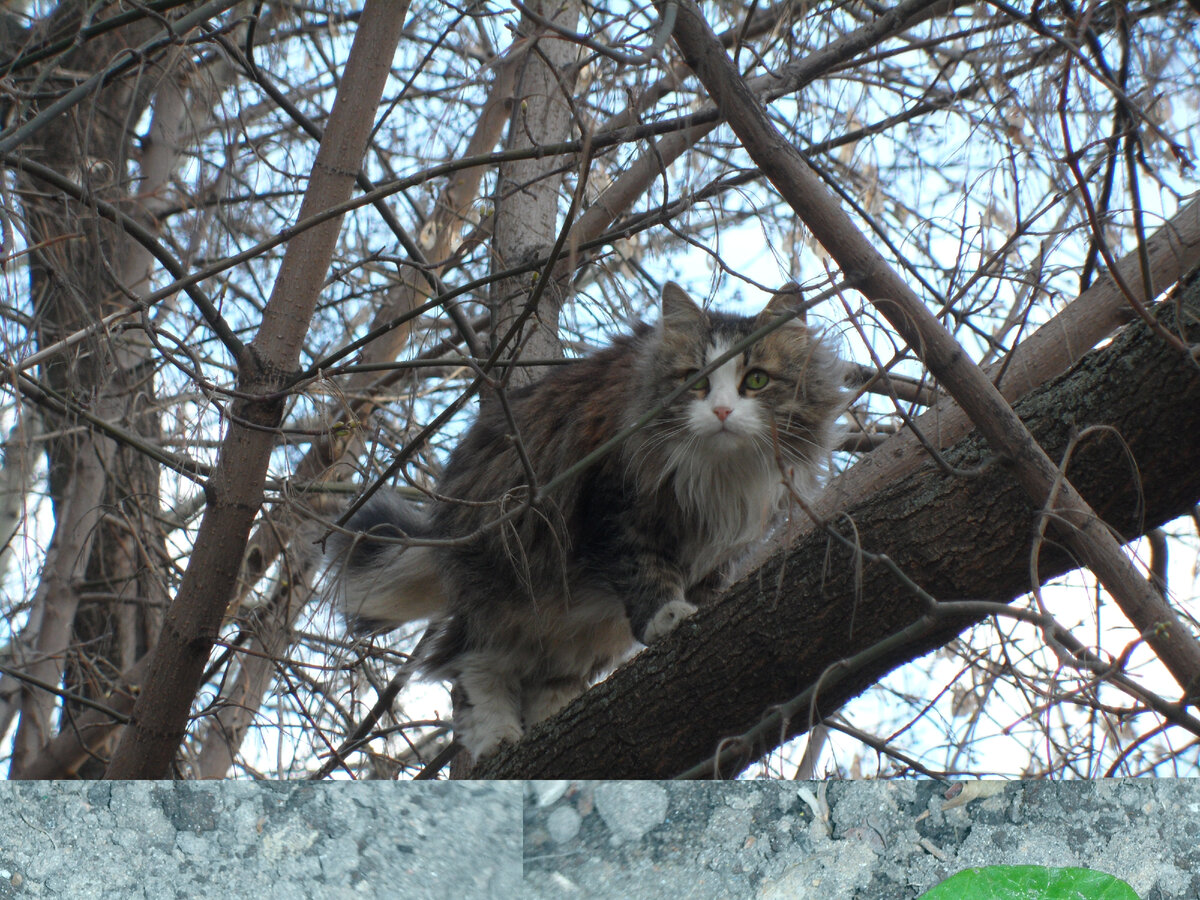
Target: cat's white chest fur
727,479
731,499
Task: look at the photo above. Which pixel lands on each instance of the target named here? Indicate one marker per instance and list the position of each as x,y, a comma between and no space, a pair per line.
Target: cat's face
773,397
724,407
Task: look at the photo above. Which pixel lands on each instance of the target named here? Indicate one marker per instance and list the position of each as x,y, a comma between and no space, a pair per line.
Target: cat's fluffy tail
378,585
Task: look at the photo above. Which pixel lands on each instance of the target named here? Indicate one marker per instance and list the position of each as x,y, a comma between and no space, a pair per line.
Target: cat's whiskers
676,449
647,448
784,459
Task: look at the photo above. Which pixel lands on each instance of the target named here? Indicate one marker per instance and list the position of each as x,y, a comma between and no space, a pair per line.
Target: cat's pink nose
722,412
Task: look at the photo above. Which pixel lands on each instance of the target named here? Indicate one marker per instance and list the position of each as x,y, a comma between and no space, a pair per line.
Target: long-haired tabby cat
532,602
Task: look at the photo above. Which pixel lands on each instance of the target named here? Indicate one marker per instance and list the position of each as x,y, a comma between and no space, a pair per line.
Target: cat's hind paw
667,620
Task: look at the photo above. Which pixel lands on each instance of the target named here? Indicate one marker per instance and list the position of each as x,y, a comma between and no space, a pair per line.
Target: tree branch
869,272
811,605
235,492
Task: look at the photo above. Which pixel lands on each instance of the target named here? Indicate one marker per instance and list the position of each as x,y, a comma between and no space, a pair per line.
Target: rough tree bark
1085,322
781,627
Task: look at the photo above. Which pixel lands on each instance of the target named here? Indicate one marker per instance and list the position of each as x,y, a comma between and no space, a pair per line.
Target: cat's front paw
666,620
483,742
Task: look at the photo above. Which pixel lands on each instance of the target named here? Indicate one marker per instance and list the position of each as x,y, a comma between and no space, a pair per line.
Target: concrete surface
630,840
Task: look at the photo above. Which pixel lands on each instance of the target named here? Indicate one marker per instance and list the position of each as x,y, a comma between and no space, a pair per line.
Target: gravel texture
630,840
855,840
85,840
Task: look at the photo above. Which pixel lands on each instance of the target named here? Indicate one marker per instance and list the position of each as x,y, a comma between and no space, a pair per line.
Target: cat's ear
788,299
678,309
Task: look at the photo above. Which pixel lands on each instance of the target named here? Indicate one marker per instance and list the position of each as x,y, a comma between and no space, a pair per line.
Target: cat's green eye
756,380
701,385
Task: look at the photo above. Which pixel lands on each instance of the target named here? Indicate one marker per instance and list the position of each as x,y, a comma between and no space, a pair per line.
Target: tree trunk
528,191
105,563
526,206
235,491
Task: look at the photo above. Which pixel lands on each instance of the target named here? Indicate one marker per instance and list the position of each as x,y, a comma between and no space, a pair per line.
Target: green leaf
1030,883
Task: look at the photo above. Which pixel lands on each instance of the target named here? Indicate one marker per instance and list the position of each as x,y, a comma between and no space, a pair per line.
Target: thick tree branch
810,606
450,211
1074,521
1088,319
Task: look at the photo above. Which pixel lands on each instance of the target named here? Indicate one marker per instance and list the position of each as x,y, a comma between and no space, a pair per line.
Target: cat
530,605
